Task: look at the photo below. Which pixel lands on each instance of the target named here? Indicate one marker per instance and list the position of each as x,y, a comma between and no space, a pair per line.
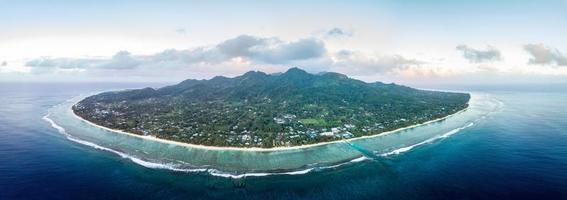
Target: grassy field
313,121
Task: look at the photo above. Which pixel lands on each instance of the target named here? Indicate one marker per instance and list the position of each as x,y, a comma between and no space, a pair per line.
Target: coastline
258,149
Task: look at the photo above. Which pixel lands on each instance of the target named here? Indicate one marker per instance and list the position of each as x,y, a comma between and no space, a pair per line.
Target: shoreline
258,149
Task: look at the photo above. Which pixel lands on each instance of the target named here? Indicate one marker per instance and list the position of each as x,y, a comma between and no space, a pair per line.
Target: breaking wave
136,160
179,167
168,166
445,135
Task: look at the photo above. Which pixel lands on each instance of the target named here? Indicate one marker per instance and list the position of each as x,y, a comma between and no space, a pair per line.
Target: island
259,110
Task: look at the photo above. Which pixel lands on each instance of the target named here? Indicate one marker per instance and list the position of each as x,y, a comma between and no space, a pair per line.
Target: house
349,126
328,134
335,130
279,120
245,137
347,135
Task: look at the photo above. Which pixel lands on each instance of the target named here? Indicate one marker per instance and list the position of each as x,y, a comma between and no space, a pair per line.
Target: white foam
215,172
360,159
167,166
136,160
305,171
54,125
456,130
174,167
445,135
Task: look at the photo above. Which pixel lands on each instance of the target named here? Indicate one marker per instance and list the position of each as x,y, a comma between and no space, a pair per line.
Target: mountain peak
216,78
295,70
254,73
296,74
257,105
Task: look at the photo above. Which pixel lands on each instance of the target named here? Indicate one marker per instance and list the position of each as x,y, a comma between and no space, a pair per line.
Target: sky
403,41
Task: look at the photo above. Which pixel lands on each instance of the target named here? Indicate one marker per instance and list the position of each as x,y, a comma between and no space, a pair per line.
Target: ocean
516,149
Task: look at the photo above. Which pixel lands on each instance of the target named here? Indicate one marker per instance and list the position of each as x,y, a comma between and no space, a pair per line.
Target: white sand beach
152,138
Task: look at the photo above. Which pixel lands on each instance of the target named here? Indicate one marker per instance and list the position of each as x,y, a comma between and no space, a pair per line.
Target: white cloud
357,63
270,54
120,61
543,55
478,56
244,50
271,50
338,32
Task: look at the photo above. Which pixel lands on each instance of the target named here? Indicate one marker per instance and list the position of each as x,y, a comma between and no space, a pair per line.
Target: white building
327,134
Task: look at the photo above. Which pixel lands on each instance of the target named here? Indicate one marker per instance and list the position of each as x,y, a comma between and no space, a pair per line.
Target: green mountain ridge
267,110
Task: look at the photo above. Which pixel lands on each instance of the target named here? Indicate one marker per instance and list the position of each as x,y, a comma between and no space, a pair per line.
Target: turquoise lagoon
237,163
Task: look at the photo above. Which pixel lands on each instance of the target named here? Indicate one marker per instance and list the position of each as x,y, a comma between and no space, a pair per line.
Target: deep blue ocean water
519,152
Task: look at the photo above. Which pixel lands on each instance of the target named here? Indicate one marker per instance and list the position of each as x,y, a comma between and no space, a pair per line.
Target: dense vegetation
262,110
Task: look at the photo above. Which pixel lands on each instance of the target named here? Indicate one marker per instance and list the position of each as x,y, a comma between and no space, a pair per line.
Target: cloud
254,49
479,56
357,63
181,31
543,55
338,32
299,50
241,46
234,55
271,50
4,64
121,60
63,63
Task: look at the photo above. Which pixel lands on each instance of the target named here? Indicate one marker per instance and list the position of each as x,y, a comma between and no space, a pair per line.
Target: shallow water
512,145
238,164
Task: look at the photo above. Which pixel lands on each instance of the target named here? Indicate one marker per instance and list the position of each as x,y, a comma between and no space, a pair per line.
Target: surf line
166,166
430,140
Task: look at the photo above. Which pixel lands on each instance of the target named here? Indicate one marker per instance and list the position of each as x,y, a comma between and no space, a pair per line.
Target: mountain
267,110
